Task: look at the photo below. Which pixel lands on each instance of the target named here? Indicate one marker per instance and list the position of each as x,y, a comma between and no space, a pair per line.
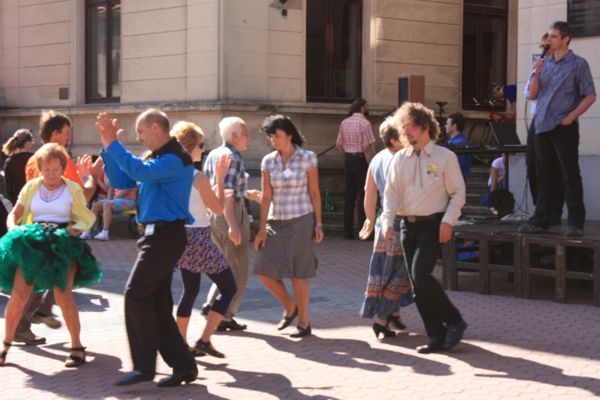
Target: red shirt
355,134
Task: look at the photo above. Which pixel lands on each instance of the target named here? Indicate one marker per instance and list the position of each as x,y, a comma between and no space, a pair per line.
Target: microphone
545,50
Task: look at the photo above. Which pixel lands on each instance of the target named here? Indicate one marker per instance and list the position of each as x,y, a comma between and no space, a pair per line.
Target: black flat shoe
207,348
4,353
395,321
387,333
178,378
435,345
286,321
231,325
134,377
455,334
301,332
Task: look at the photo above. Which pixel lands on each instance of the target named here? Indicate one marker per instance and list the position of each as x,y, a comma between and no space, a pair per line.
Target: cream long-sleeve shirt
423,184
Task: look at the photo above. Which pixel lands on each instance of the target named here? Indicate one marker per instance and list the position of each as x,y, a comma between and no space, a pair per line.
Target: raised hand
221,166
108,129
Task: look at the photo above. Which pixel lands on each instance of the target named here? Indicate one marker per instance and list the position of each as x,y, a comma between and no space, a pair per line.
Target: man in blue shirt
455,124
165,177
564,89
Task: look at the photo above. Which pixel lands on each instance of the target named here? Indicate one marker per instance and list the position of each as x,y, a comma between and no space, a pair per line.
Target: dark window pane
316,45
346,47
96,47
116,51
103,50
488,3
333,46
469,67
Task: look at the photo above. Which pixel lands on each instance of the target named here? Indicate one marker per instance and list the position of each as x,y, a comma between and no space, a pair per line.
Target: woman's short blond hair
188,134
51,151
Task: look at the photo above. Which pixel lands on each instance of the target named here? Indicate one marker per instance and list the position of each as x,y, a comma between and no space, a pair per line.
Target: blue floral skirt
388,285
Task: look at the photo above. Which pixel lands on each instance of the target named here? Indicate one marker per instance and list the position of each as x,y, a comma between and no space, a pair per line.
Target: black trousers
559,146
420,241
149,303
557,183
355,172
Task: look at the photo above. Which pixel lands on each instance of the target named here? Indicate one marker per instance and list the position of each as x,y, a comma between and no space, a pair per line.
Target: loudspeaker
411,88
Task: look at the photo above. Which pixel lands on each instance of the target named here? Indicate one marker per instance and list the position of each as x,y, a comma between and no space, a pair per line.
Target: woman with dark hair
18,149
388,285
290,214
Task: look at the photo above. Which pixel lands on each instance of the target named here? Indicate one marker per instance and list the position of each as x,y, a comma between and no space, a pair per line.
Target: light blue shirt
562,86
379,169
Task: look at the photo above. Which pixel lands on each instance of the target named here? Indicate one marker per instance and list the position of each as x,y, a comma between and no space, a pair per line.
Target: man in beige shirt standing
425,186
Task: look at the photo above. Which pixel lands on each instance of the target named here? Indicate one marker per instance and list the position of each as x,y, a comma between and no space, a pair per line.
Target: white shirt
424,185
198,209
498,164
57,211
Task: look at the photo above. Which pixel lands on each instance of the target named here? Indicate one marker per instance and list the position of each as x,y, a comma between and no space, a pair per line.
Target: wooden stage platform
502,249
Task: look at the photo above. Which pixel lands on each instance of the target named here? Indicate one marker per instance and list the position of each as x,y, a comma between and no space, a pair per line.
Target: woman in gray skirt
290,220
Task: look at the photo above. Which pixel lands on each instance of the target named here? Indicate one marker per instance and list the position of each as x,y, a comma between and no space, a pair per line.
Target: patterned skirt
44,256
388,285
201,254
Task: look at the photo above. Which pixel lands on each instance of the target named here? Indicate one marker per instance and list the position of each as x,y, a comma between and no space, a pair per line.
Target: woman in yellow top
43,251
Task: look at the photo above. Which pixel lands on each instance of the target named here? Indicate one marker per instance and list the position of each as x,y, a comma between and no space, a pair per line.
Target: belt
355,154
44,224
416,218
165,223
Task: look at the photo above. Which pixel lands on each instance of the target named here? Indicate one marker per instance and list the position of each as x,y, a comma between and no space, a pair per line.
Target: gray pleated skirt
289,250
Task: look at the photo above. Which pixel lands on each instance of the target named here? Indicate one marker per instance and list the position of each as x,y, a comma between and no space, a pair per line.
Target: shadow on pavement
276,385
510,367
350,353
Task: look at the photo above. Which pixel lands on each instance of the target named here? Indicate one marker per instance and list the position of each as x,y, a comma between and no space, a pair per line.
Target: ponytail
17,141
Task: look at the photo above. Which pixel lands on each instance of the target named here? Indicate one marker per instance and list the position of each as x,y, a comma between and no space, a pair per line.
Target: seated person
455,124
496,179
117,200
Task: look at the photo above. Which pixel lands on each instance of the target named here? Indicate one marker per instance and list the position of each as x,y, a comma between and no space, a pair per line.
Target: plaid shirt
289,183
355,134
235,178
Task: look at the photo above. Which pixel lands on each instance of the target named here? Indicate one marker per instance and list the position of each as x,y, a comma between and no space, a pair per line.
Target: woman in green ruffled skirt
42,249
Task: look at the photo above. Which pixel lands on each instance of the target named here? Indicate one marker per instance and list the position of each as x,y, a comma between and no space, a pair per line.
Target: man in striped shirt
355,140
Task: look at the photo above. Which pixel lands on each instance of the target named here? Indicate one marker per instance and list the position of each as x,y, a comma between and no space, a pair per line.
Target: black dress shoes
286,321
455,334
574,231
529,227
178,378
231,325
207,348
134,377
301,332
435,345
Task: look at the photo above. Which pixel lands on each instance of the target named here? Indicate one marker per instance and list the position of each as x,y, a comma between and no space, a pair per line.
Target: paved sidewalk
514,348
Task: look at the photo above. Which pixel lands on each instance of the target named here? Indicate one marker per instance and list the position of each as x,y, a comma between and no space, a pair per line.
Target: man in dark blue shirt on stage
455,124
165,178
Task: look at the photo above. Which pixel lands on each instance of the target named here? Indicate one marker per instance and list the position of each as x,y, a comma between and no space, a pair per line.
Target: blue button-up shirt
464,160
562,86
235,178
165,180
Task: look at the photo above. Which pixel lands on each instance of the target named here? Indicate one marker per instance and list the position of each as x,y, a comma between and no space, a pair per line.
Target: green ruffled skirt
44,255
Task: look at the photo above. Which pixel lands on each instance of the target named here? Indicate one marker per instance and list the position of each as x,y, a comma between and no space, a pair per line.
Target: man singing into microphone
564,89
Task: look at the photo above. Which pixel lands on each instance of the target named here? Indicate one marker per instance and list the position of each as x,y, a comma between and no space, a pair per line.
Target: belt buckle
412,219
48,225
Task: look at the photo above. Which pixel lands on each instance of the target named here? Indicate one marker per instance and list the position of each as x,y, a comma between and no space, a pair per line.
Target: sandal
75,360
3,354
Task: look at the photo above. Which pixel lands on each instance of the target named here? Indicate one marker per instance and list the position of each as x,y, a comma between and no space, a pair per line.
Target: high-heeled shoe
396,322
76,358
387,333
4,353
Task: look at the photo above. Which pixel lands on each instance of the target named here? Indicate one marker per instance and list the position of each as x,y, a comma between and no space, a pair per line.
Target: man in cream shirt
425,186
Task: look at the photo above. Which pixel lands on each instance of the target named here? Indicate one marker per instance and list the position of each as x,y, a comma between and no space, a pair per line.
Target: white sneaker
86,235
102,236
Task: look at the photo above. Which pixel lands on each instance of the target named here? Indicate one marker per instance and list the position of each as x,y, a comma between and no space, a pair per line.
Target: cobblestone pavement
514,348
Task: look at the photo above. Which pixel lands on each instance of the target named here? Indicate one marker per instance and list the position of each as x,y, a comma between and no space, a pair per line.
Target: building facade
201,60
